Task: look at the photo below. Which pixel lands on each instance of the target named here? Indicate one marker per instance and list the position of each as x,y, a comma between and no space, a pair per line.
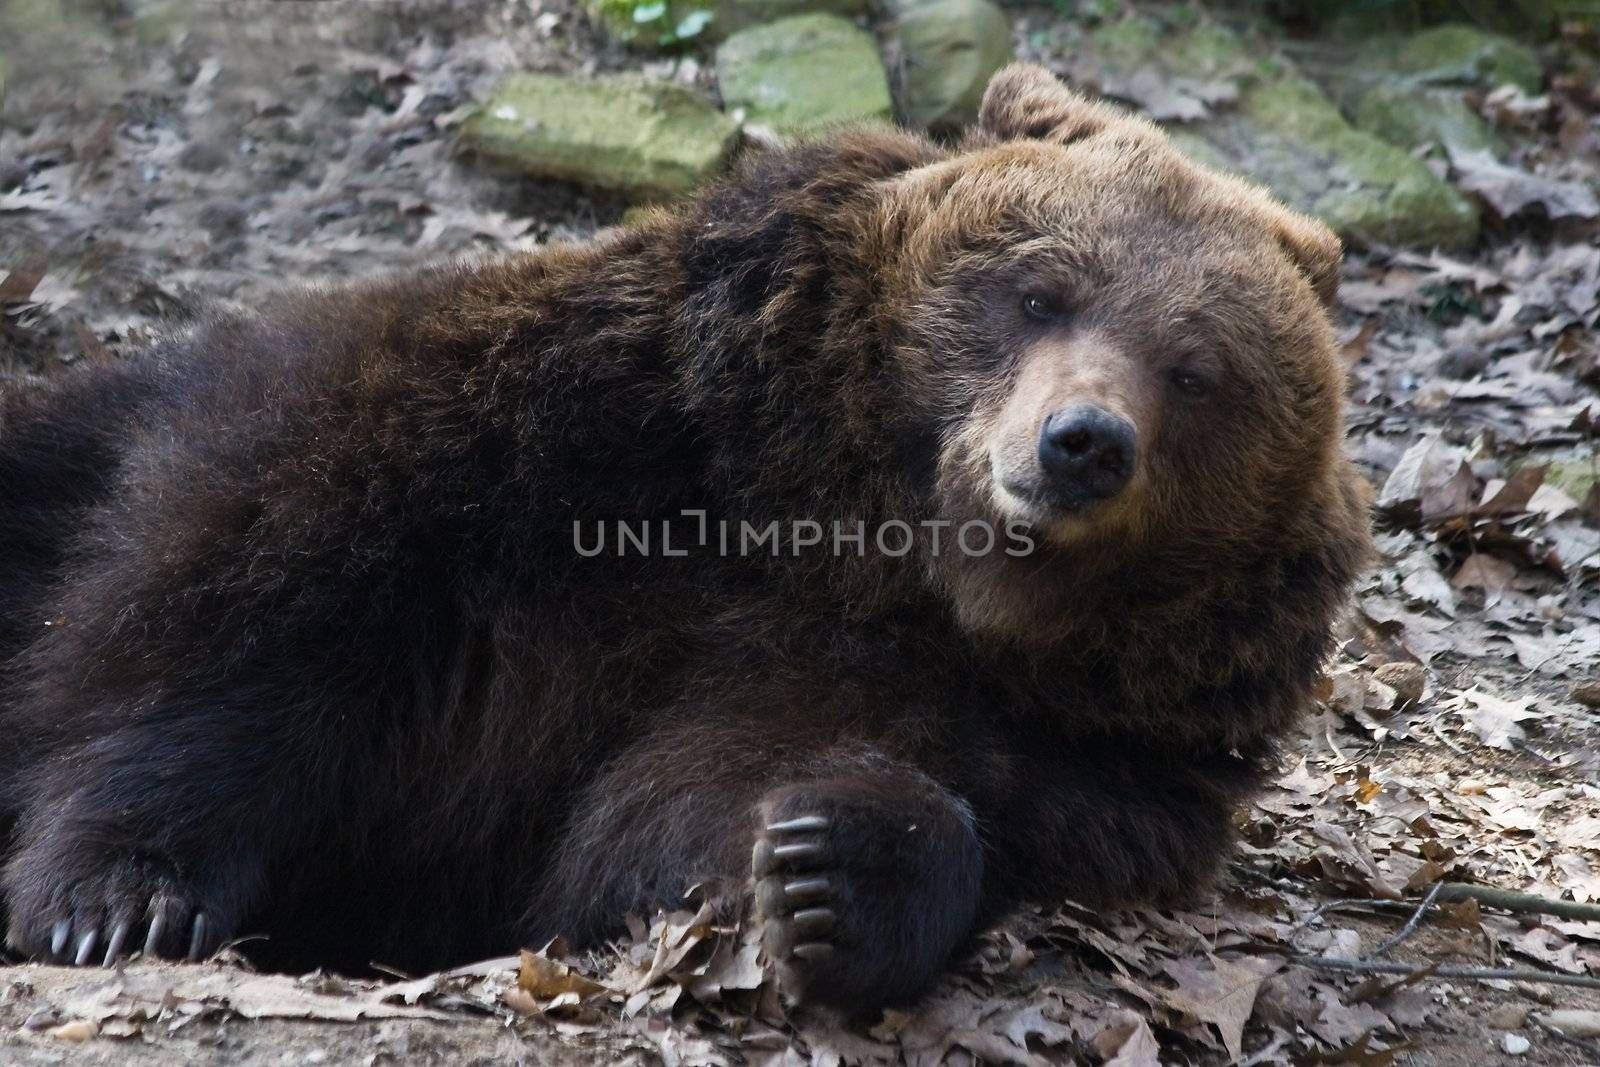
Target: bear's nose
1086,452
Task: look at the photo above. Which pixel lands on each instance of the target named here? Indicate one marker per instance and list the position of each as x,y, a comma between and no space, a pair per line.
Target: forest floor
182,166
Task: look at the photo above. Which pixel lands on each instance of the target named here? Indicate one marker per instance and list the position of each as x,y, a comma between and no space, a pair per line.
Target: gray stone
804,73
641,138
947,51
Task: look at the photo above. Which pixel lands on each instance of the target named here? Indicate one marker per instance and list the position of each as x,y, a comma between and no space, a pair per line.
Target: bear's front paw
99,913
863,891
795,896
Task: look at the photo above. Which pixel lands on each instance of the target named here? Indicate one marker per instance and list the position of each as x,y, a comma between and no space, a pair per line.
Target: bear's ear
1027,101
1315,249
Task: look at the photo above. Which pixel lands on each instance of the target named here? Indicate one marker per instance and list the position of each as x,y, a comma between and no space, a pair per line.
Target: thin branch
1510,974
1411,924
1511,900
1591,1048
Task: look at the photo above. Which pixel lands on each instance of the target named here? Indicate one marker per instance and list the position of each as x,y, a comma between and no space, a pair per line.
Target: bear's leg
1111,826
171,832
867,873
866,884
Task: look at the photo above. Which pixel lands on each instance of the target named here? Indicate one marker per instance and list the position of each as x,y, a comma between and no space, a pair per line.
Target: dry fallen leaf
1510,191
1128,1042
1218,991
1496,721
546,979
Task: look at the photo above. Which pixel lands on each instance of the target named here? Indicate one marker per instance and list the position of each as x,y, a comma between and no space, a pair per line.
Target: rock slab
1255,114
947,51
805,73
640,138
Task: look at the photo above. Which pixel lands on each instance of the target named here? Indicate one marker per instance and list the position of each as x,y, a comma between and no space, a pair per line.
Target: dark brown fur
308,650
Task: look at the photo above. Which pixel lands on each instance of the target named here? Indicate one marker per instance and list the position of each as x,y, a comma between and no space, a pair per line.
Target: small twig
1362,905
1591,1048
1327,735
1411,924
1512,900
1509,974
1451,745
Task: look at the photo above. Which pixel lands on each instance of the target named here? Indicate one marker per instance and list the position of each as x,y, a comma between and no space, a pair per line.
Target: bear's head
1130,354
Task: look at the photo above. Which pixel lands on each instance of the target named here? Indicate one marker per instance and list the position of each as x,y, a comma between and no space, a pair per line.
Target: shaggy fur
299,642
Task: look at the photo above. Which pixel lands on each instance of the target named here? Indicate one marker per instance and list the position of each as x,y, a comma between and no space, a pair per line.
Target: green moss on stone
1413,116
642,138
804,73
735,15
1575,475
1362,186
1459,55
1285,133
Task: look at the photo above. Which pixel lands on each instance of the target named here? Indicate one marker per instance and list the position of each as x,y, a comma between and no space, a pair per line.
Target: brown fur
319,659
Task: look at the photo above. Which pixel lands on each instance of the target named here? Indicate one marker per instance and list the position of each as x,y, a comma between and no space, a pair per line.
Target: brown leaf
17,286
1344,861
1423,467
1464,914
1218,991
1513,494
1359,1052
1481,571
1425,875
1452,497
1128,1042
546,979
1355,349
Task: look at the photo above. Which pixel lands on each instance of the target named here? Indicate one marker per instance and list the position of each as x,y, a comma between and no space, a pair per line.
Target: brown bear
888,535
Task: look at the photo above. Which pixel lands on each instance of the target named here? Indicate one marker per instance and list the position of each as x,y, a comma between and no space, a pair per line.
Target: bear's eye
1040,308
1189,382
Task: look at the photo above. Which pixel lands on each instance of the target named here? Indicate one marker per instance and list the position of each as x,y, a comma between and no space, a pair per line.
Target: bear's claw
864,886
86,945
793,899
119,937
105,914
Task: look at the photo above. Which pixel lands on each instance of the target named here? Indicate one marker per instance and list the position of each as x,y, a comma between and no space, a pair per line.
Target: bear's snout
1086,454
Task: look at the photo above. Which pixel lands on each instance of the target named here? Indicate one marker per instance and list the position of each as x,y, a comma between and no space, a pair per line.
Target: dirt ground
155,162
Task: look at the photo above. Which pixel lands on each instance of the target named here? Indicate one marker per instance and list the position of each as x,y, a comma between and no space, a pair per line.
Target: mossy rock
735,15
1364,187
1285,133
153,21
1414,116
640,138
668,24
1456,55
804,73
1533,19
44,42
947,51
1576,474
